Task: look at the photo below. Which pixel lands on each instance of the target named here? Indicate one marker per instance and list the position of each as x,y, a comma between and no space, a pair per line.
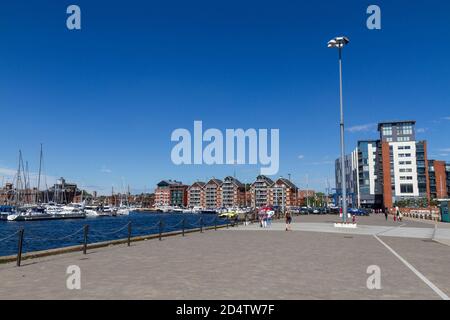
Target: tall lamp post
339,43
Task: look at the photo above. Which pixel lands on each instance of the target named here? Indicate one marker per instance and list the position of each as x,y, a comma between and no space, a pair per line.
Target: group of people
265,219
398,216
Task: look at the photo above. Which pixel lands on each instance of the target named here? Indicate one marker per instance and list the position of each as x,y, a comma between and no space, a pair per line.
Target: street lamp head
338,42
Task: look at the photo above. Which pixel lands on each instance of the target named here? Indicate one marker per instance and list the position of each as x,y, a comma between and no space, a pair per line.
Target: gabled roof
197,184
215,181
265,178
287,182
235,181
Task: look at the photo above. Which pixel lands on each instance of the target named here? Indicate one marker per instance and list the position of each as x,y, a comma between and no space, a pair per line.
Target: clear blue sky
104,100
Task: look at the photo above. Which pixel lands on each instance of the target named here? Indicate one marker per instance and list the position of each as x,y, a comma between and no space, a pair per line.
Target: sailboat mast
39,176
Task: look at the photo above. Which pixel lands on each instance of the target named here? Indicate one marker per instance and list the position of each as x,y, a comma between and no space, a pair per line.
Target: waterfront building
213,194
392,169
439,176
404,163
171,193
363,169
233,193
303,195
283,193
196,194
7,194
260,190
61,192
351,178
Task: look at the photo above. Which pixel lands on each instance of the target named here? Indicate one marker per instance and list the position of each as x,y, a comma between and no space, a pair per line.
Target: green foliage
412,203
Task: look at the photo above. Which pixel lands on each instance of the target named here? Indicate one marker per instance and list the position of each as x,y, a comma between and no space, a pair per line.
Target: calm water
41,235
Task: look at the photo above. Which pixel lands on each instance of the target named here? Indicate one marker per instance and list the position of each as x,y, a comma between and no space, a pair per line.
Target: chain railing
86,231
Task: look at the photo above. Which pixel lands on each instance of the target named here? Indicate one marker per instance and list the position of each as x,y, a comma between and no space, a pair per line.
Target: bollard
160,229
129,233
201,225
86,230
19,248
215,223
184,222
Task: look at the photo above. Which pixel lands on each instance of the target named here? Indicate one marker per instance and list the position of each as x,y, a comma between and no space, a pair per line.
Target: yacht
97,211
193,210
5,211
123,210
72,211
30,214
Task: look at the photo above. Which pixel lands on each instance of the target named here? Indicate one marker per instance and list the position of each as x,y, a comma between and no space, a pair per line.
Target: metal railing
160,226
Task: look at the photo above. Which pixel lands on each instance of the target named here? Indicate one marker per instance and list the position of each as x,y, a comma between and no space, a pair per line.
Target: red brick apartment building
171,193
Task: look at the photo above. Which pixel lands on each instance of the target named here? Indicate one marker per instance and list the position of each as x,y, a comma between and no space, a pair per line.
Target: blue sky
104,100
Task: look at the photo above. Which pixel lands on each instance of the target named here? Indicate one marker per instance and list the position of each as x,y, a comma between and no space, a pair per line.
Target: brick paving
242,264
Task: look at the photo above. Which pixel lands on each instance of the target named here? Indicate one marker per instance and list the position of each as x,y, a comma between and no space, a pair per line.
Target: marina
54,233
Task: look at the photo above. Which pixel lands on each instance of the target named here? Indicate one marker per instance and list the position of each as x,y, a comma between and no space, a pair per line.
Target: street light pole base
346,225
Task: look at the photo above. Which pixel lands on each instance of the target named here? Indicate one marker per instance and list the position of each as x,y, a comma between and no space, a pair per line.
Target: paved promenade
314,261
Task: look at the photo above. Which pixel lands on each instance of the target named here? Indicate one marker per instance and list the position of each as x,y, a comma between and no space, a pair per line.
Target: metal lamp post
339,43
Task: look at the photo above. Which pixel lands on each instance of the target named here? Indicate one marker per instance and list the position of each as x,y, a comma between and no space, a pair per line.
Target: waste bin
444,207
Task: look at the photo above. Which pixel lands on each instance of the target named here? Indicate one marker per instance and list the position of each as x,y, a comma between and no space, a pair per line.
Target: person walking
386,210
397,213
288,221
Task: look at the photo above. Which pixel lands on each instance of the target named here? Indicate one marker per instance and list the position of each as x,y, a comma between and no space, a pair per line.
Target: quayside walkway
314,261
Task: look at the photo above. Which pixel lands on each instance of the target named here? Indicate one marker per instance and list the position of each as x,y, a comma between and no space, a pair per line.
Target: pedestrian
386,213
288,221
397,213
353,219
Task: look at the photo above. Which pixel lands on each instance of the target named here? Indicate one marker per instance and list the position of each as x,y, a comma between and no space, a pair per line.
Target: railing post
201,224
227,222
160,229
86,230
129,233
183,225
19,248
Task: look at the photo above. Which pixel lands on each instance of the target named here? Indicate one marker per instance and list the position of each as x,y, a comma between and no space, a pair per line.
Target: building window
406,188
387,130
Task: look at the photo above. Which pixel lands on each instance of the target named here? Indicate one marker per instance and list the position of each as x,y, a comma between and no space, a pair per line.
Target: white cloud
7,172
444,150
446,118
320,163
362,128
301,157
421,130
105,170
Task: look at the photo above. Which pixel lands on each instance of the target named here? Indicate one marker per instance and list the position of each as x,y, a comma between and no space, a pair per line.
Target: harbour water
50,234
